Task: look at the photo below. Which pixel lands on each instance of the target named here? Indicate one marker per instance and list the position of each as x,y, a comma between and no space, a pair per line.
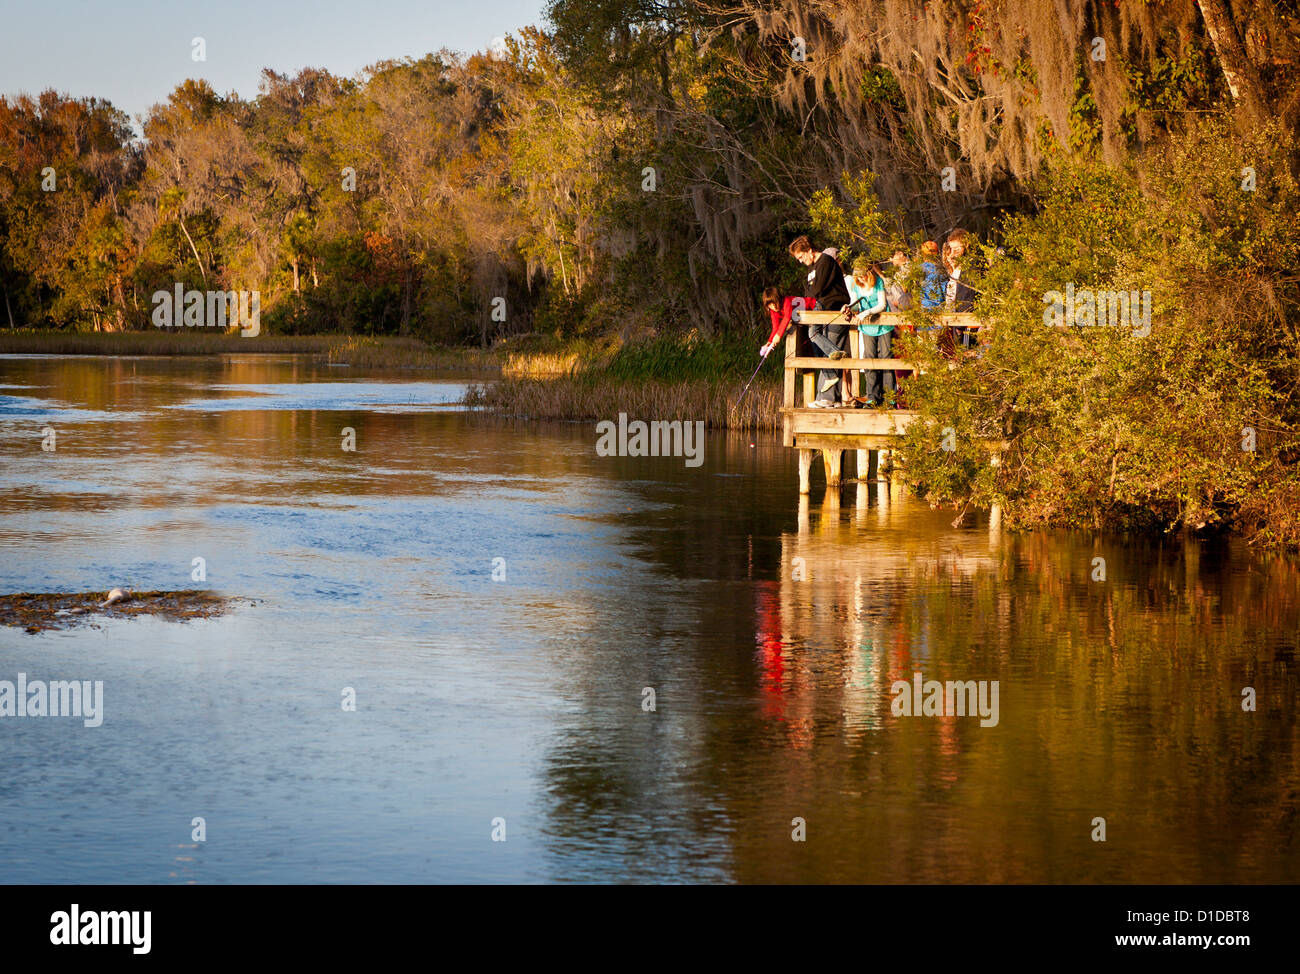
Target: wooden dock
870,433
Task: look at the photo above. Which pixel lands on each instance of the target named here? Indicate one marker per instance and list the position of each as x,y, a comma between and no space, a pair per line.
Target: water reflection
770,628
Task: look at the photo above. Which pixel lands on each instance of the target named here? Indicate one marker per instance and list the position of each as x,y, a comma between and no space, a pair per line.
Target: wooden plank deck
849,422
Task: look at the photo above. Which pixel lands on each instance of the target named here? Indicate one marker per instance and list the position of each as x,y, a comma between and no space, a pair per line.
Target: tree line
632,161
634,167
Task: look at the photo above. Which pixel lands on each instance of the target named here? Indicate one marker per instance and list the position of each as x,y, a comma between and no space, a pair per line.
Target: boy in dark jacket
824,286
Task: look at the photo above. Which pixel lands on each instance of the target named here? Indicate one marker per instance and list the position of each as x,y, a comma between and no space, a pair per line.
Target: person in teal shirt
866,300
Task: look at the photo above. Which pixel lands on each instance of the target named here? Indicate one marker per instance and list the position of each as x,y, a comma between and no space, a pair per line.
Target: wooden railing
802,363
807,365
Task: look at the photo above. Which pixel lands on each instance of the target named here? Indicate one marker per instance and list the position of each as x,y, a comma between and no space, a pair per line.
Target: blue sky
134,52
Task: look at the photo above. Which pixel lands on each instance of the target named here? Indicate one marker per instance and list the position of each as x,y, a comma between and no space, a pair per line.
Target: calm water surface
521,698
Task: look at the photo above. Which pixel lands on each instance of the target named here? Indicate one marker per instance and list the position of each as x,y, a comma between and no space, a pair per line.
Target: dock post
805,471
891,463
830,512
864,465
831,461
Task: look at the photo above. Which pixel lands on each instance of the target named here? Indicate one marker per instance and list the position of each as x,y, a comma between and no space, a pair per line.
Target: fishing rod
757,370
751,381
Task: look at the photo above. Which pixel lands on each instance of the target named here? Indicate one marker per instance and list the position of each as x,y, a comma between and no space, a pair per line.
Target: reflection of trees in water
1119,699
633,794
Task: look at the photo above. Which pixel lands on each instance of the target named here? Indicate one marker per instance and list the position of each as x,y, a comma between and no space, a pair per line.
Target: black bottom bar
920,924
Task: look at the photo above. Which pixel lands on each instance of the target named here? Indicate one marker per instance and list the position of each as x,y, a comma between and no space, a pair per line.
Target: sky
134,52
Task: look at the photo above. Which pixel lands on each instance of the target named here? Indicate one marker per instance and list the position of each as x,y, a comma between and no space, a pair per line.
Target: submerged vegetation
35,613
604,200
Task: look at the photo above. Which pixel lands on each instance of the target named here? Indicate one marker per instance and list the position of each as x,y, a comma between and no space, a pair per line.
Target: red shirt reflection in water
771,658
778,696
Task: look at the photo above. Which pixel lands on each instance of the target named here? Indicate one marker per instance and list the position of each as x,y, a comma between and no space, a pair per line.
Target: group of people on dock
872,288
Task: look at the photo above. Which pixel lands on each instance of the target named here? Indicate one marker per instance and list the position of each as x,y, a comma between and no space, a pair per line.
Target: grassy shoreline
386,352
665,378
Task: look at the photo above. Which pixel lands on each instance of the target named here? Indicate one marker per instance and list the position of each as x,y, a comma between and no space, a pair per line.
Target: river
628,668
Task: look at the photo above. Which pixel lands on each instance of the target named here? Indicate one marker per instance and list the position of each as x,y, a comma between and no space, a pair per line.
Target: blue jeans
828,338
963,336
877,346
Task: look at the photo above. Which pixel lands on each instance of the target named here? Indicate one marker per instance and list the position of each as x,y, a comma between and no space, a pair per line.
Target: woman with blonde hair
866,301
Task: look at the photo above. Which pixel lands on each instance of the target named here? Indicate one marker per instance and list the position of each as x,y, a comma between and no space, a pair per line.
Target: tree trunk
559,246
406,302
1243,82
181,221
119,303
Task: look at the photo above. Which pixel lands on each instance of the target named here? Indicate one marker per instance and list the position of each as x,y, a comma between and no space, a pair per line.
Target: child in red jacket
781,309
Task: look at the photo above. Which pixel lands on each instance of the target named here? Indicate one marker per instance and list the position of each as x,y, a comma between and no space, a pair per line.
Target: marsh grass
667,378
541,365
410,353
677,358
590,397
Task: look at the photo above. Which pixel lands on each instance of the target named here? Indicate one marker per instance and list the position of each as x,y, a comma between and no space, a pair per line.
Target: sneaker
829,384
819,404
836,355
